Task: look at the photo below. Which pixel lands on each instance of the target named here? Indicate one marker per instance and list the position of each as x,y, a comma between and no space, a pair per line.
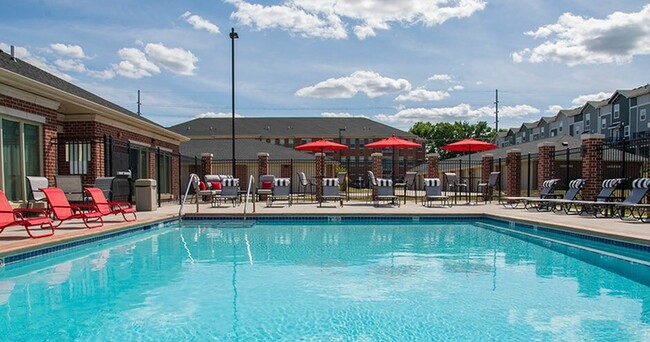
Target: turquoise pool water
293,280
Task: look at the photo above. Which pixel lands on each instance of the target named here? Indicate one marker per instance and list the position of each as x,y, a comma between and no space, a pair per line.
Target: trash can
145,195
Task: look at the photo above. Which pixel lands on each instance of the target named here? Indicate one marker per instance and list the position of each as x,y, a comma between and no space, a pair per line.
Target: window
604,123
617,111
353,143
77,154
291,142
541,132
626,131
139,161
282,142
344,141
561,124
642,114
21,156
165,173
362,143
588,120
577,130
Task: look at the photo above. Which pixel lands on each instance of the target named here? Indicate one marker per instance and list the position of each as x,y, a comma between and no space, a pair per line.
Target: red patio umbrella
469,145
321,146
393,142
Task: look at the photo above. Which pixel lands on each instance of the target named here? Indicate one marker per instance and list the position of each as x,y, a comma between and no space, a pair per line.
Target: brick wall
513,165
592,165
433,161
546,164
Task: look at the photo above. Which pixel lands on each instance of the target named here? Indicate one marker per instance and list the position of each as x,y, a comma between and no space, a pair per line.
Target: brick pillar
433,160
262,164
546,167
487,165
513,166
206,164
320,165
592,164
377,168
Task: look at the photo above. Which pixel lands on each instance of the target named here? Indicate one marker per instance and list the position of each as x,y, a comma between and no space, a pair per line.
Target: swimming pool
328,279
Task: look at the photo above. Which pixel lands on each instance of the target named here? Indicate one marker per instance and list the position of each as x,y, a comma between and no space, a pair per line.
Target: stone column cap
546,144
319,154
514,150
377,154
262,154
206,155
488,155
428,155
592,136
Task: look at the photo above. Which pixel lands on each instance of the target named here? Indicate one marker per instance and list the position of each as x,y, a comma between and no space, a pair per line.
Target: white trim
135,142
28,97
22,115
165,149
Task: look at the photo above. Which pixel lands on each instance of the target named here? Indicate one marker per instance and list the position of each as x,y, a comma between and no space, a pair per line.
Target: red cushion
267,185
216,185
201,186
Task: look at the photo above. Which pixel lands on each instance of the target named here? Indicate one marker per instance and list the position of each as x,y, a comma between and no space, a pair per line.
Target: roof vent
13,53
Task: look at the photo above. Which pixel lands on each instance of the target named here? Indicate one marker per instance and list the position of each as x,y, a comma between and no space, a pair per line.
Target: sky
395,62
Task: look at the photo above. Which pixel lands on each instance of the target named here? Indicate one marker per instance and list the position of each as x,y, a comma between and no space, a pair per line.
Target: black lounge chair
433,192
548,189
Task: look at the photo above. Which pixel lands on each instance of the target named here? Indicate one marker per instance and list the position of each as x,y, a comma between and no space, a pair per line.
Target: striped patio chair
433,192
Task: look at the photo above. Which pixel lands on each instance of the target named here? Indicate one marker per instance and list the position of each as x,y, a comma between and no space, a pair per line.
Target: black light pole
233,36
340,142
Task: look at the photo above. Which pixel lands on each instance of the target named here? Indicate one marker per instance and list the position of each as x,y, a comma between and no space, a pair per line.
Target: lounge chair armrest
83,207
120,205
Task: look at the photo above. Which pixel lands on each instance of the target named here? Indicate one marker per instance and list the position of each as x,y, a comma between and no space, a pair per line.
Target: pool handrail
193,177
251,181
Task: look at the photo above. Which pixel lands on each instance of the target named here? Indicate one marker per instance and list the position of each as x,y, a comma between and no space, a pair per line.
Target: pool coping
36,248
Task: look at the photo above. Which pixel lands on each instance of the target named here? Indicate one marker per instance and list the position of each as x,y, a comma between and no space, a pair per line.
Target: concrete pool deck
15,240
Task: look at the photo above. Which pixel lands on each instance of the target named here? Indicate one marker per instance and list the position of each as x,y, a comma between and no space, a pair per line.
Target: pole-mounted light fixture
233,36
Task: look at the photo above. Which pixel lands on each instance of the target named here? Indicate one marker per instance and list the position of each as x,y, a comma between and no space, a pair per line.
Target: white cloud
36,61
328,18
216,115
70,64
368,82
176,60
71,51
554,109
576,40
135,64
341,115
582,99
199,23
456,87
421,94
105,74
440,77
461,112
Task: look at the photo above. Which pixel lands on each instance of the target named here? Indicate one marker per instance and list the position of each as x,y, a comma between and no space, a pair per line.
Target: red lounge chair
13,217
63,211
106,208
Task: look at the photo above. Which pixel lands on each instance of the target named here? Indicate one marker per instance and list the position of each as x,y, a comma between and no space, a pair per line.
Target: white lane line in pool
189,254
248,247
593,250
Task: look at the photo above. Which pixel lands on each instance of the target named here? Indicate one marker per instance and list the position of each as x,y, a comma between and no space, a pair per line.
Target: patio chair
106,185
281,191
556,203
36,195
213,183
384,190
111,208
14,217
433,192
229,191
632,202
62,210
265,186
202,193
487,188
407,183
306,185
548,191
71,186
606,195
342,176
455,185
331,191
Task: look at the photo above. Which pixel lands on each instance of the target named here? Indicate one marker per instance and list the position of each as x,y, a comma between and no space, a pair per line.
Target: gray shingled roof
636,91
244,149
304,127
36,74
571,112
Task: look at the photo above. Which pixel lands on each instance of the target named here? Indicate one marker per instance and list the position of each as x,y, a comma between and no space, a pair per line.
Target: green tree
442,133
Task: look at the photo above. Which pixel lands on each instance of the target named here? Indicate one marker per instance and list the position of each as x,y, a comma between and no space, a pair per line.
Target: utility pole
496,112
139,103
